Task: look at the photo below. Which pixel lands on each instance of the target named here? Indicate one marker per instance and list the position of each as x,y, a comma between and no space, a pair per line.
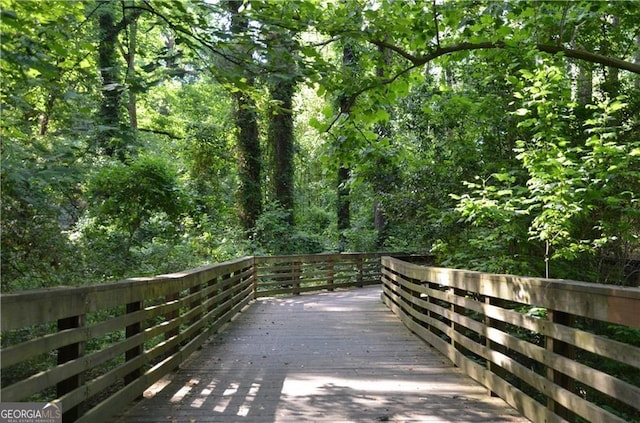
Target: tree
432,117
249,150
349,62
128,195
109,138
281,137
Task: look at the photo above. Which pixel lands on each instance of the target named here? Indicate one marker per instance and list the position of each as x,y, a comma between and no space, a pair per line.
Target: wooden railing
278,275
523,338
94,349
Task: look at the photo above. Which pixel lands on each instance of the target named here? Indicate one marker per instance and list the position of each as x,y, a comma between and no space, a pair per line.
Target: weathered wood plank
338,356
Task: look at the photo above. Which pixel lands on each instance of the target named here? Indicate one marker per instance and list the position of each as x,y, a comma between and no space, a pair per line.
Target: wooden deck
334,357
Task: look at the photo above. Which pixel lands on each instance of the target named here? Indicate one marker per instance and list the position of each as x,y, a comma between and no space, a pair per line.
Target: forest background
149,136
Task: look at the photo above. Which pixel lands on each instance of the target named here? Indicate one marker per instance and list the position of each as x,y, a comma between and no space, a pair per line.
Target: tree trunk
344,172
280,135
611,83
131,73
344,206
584,85
249,162
637,61
44,117
281,138
109,138
248,139
383,171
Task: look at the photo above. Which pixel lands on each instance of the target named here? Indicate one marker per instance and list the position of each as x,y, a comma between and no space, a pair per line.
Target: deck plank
330,357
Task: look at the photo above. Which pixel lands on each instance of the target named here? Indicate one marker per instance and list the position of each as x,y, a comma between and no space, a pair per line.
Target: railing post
566,350
226,294
130,331
212,293
330,273
68,353
494,346
194,304
430,299
170,316
296,278
360,272
456,292
254,276
414,294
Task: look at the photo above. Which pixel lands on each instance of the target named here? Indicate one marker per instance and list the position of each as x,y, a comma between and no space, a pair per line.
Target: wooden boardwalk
330,357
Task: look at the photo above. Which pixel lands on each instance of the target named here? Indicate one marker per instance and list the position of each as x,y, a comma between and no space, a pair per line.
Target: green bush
129,196
274,235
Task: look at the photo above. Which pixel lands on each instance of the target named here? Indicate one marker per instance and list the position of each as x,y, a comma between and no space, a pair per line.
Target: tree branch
161,132
487,45
588,56
147,7
380,43
417,61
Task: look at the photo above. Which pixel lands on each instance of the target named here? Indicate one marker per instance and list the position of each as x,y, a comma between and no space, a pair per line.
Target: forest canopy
148,136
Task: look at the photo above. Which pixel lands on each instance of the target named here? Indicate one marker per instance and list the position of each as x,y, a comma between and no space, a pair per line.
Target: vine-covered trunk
249,162
109,138
344,172
132,106
385,171
281,138
248,141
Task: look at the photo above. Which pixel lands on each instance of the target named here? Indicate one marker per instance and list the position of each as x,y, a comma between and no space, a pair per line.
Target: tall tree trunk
344,206
48,109
384,172
344,172
249,162
281,138
584,85
109,138
637,61
249,151
131,74
611,83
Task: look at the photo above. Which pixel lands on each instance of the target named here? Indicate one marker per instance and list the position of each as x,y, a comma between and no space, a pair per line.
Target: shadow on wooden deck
335,357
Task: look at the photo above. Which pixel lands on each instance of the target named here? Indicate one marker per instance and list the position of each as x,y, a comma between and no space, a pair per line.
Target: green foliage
130,195
40,199
575,181
486,104
273,234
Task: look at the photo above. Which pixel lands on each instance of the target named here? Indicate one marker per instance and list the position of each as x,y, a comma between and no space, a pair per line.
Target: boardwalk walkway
330,357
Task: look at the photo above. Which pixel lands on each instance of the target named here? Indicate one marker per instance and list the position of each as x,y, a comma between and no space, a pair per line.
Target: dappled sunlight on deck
335,357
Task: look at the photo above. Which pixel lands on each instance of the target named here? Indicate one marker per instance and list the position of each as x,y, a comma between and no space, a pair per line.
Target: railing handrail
466,316
45,301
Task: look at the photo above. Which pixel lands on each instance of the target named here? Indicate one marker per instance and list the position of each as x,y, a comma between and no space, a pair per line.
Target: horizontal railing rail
93,349
536,343
282,275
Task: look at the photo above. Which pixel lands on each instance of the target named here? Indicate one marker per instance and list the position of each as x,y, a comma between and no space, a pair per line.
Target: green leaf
521,112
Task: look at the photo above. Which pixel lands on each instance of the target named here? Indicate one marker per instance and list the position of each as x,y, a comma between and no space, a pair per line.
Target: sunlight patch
182,392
